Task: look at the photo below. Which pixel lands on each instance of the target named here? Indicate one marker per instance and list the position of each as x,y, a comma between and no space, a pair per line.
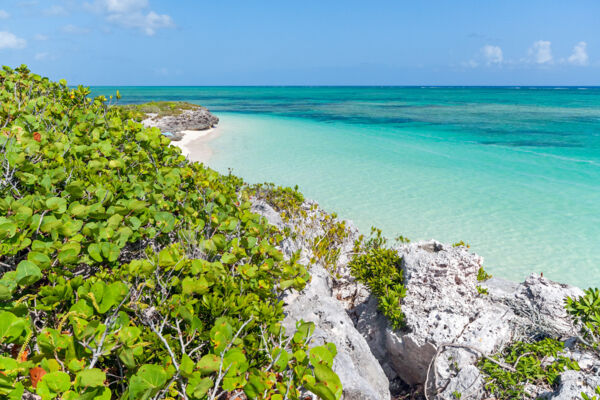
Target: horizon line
354,86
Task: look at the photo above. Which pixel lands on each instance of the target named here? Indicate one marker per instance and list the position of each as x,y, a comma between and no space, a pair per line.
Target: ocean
514,172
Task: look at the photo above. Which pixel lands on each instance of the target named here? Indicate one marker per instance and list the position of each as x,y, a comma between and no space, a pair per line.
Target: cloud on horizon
9,40
131,14
541,52
579,56
492,54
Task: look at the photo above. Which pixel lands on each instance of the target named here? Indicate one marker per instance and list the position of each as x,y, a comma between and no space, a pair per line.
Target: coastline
194,143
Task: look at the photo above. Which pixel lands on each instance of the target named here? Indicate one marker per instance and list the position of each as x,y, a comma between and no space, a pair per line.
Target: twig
108,322
441,346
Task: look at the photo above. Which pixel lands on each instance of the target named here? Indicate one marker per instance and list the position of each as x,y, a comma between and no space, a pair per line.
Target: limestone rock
447,318
443,306
197,119
573,383
360,373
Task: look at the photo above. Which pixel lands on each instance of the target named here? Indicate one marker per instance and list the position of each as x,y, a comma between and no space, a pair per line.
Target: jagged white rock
360,373
442,306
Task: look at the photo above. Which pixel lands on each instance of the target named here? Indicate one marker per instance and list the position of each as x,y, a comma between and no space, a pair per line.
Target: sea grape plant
128,272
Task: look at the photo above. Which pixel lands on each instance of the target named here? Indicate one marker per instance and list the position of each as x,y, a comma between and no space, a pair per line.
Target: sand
194,144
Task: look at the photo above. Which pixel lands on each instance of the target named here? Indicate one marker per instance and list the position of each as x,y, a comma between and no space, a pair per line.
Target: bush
585,311
534,363
380,268
128,272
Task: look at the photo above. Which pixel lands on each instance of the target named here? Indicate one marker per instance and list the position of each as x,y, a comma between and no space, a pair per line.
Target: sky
322,42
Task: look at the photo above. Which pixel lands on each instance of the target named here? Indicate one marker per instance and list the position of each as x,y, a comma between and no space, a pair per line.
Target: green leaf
147,382
186,366
110,251
7,230
113,295
168,256
209,364
57,204
90,378
191,285
53,383
69,253
40,259
197,386
255,386
220,334
165,221
28,273
235,361
94,252
11,327
321,355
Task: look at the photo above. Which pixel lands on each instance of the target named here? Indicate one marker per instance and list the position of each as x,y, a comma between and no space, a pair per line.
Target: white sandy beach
194,144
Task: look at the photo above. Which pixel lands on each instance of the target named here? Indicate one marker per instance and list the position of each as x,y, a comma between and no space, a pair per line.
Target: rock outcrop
198,119
450,323
448,319
359,371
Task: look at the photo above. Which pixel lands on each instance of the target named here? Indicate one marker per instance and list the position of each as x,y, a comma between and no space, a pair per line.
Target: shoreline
194,145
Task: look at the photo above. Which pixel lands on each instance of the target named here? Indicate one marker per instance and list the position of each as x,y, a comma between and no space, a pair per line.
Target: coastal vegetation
159,108
379,268
540,362
129,272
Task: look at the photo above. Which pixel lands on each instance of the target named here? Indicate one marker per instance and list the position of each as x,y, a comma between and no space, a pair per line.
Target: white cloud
74,30
470,64
10,41
55,11
41,56
39,36
579,56
541,52
132,14
492,54
147,23
4,14
124,6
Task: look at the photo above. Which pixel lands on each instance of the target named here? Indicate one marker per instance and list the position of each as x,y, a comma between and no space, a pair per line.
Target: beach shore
194,144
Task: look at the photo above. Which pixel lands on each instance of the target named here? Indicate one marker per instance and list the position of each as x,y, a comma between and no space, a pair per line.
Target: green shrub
531,365
161,108
128,272
585,311
283,199
482,275
379,268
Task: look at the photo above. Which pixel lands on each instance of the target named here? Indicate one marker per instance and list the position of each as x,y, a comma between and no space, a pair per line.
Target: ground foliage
540,362
128,272
537,363
160,108
380,268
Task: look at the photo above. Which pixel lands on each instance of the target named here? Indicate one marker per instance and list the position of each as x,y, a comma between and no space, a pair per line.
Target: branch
459,346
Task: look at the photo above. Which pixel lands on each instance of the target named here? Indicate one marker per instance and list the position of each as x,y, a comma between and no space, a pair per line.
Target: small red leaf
37,137
36,374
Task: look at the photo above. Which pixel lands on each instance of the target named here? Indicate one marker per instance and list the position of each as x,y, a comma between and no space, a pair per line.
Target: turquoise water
514,172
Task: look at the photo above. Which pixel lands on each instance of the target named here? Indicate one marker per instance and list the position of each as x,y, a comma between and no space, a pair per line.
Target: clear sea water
514,172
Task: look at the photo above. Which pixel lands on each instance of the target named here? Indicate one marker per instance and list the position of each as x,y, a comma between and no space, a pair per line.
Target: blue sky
325,42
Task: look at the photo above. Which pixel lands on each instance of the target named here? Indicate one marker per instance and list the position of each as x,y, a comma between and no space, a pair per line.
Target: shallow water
513,172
